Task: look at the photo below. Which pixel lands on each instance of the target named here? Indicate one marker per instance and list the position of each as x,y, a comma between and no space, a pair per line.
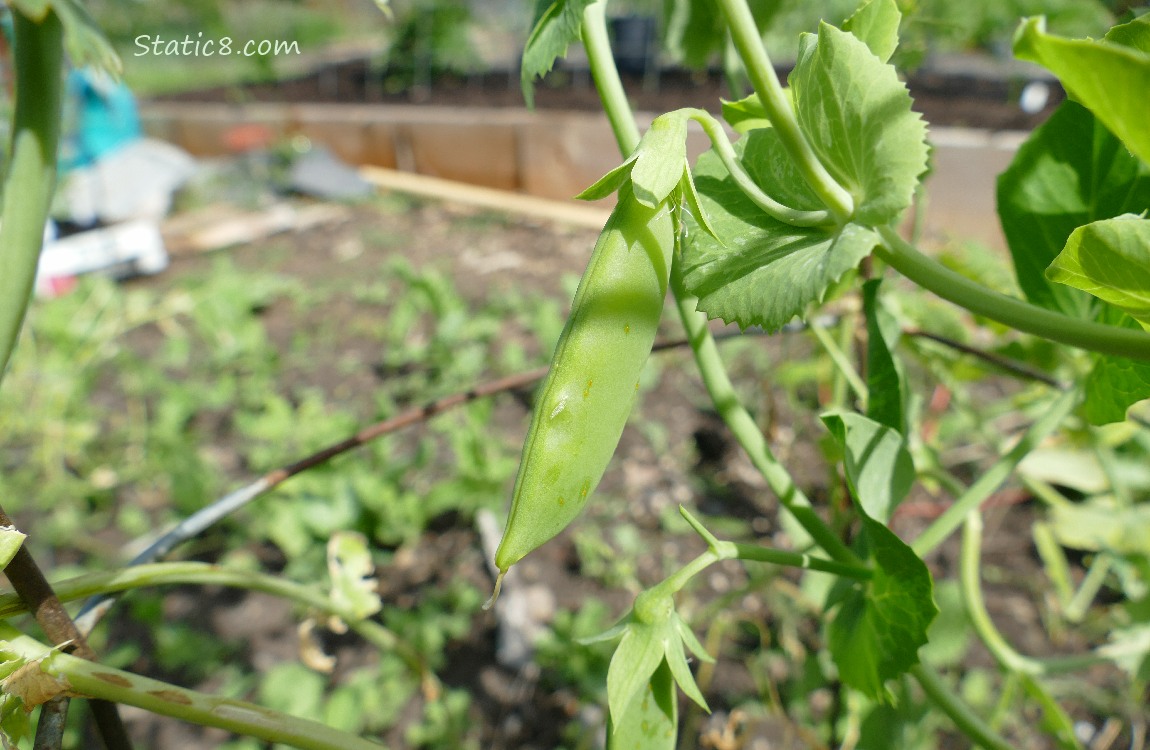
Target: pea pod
584,402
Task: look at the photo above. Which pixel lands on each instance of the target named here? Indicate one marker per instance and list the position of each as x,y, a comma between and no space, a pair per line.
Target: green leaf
1109,259
83,39
1103,525
350,567
636,658
878,466
884,376
875,23
857,115
1108,78
662,159
876,634
557,26
768,272
10,542
610,182
746,114
650,721
1134,34
676,659
1071,171
1112,387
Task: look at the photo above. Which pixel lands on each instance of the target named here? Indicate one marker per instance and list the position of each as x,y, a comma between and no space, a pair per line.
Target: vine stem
726,153
1022,316
710,364
744,34
1003,652
992,478
970,723
82,677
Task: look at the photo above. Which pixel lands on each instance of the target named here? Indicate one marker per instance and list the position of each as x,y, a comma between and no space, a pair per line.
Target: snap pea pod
584,402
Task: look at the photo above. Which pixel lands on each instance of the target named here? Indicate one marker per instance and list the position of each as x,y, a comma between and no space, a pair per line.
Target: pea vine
770,226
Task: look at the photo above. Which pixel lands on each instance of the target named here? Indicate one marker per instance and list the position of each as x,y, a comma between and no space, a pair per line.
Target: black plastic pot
634,40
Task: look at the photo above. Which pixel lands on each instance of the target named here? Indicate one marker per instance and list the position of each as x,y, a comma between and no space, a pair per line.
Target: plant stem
197,573
744,34
31,177
1022,316
714,375
1002,651
993,478
743,426
743,181
607,81
799,560
841,362
169,700
968,722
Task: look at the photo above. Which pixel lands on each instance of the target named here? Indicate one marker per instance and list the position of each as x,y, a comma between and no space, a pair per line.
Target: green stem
798,560
744,34
196,573
1022,316
98,681
1002,651
702,342
743,426
606,75
726,153
968,722
738,551
994,477
1091,585
841,361
31,177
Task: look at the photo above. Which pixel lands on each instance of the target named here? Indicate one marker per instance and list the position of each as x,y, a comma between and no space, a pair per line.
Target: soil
698,465
968,96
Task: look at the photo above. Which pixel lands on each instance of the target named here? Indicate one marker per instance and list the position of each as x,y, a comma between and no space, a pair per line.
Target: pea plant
803,208
800,212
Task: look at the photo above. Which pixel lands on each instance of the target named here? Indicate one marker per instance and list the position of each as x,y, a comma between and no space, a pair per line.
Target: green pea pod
584,402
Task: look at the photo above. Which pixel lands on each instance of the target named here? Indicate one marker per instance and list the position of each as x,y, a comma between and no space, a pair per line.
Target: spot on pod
587,390
585,489
562,501
636,386
559,407
627,328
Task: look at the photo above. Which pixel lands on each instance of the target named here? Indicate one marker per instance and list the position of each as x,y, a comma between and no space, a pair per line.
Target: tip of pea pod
495,594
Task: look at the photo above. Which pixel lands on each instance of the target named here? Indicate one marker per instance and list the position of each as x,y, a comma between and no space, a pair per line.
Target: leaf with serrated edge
650,721
1071,171
878,466
875,23
662,157
1108,78
876,634
635,659
557,27
767,272
1109,259
857,116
